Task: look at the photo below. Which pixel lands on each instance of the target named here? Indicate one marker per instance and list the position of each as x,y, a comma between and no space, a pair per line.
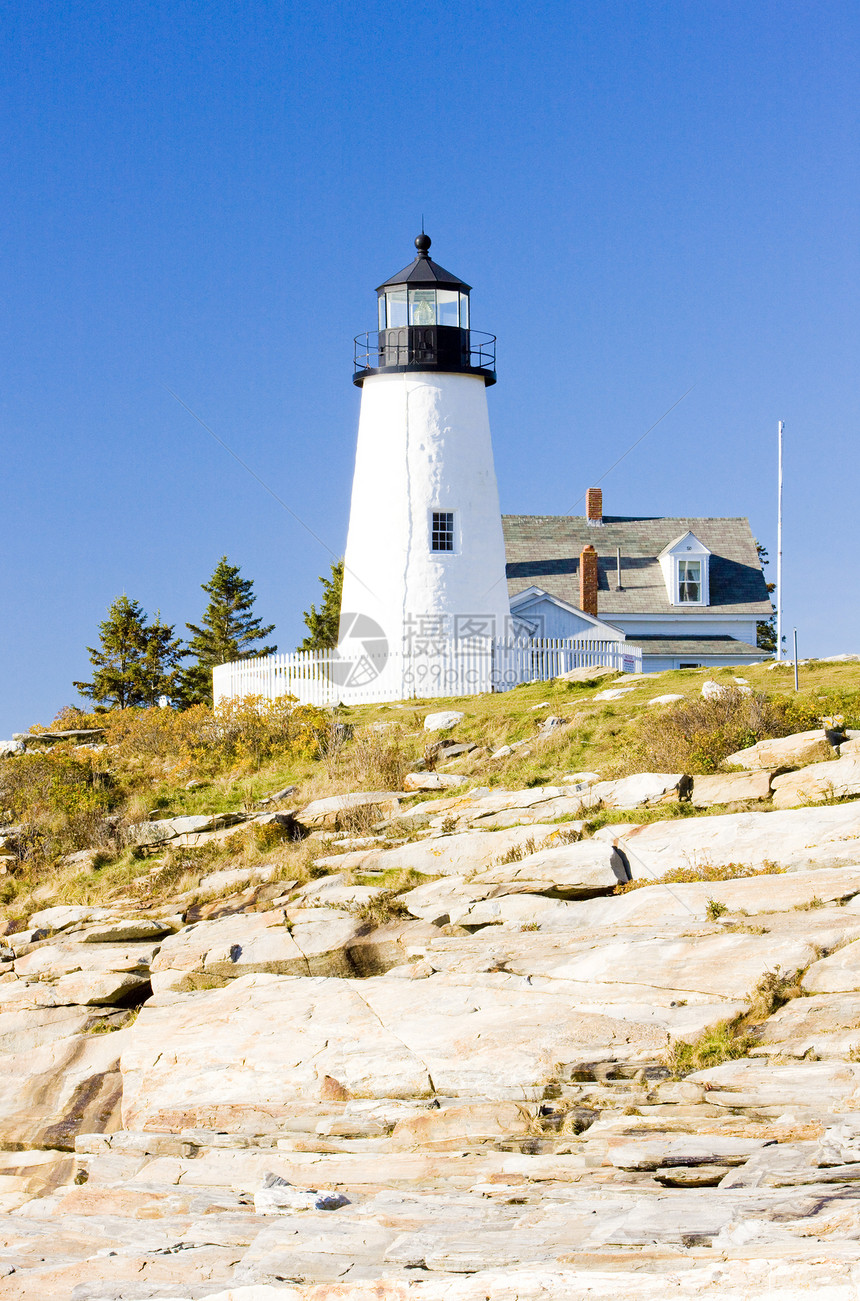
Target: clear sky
199,196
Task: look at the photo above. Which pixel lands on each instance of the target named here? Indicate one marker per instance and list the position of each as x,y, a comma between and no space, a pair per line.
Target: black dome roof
424,271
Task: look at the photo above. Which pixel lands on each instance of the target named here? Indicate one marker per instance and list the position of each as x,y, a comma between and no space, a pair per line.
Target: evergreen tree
766,628
323,623
229,631
136,662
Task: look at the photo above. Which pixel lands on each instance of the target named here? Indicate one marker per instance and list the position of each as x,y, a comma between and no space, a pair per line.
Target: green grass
720,1043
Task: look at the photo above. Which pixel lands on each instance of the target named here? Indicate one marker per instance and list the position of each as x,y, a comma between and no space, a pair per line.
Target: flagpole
779,551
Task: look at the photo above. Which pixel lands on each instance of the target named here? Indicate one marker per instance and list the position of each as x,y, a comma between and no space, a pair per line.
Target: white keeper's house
690,592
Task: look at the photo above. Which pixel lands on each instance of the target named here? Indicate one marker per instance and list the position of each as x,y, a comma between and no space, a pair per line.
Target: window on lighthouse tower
442,531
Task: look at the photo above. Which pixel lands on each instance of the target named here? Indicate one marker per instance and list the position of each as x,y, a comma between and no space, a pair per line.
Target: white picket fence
453,668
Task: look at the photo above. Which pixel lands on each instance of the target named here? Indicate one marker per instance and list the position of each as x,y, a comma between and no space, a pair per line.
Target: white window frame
431,529
687,560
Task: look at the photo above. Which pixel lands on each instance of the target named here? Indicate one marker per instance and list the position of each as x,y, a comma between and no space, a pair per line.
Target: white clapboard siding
455,668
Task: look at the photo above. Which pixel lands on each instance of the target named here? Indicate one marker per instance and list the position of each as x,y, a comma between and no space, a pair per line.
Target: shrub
250,730
719,1043
715,909
374,760
59,800
702,872
773,990
696,735
382,908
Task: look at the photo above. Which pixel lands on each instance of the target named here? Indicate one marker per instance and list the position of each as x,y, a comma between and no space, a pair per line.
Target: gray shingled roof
543,551
695,646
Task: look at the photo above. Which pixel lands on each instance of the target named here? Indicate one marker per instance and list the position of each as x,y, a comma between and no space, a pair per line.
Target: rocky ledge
490,1086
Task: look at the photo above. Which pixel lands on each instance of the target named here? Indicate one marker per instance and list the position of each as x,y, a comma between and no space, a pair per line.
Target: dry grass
696,735
720,1043
702,872
775,988
382,908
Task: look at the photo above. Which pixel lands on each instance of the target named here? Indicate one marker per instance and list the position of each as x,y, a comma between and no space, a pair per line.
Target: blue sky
202,197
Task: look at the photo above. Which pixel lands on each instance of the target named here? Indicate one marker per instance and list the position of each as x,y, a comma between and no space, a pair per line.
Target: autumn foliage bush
73,796
697,735
57,800
244,732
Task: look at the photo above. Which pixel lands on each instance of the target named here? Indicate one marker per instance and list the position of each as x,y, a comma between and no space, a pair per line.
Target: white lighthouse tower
425,556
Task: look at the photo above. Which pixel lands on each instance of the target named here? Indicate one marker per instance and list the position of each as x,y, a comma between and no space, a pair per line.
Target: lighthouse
425,557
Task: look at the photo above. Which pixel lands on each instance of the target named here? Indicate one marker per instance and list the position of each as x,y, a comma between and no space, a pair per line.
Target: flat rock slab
156,833
129,928
819,781
20,1032
219,948
751,1082
532,911
452,855
335,811
792,838
64,916
433,781
715,1149
753,895
827,1024
642,789
587,674
96,988
784,751
234,878
731,787
584,868
695,1176
48,961
264,1043
726,966
836,974
51,1093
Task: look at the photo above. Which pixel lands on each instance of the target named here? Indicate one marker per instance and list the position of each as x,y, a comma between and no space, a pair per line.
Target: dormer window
686,564
690,581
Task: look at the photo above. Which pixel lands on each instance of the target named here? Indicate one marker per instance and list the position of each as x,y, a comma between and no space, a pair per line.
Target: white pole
779,552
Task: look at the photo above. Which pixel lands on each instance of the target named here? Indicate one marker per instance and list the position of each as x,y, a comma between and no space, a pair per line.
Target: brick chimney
588,578
594,505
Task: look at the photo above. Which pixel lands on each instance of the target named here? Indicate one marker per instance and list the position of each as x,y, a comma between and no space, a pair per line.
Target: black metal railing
430,346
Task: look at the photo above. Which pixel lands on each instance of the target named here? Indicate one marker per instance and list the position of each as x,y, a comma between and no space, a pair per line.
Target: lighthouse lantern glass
399,307
396,304
447,307
422,306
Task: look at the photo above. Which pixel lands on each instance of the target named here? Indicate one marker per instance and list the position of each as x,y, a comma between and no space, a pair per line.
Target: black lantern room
424,325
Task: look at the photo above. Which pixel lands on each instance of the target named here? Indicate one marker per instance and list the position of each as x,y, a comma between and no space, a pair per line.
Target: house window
442,531
689,580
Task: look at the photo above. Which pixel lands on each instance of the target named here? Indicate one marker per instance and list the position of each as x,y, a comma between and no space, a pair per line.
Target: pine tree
766,628
323,623
136,662
229,631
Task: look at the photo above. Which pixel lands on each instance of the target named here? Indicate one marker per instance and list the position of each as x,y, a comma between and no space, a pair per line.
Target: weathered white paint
423,445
